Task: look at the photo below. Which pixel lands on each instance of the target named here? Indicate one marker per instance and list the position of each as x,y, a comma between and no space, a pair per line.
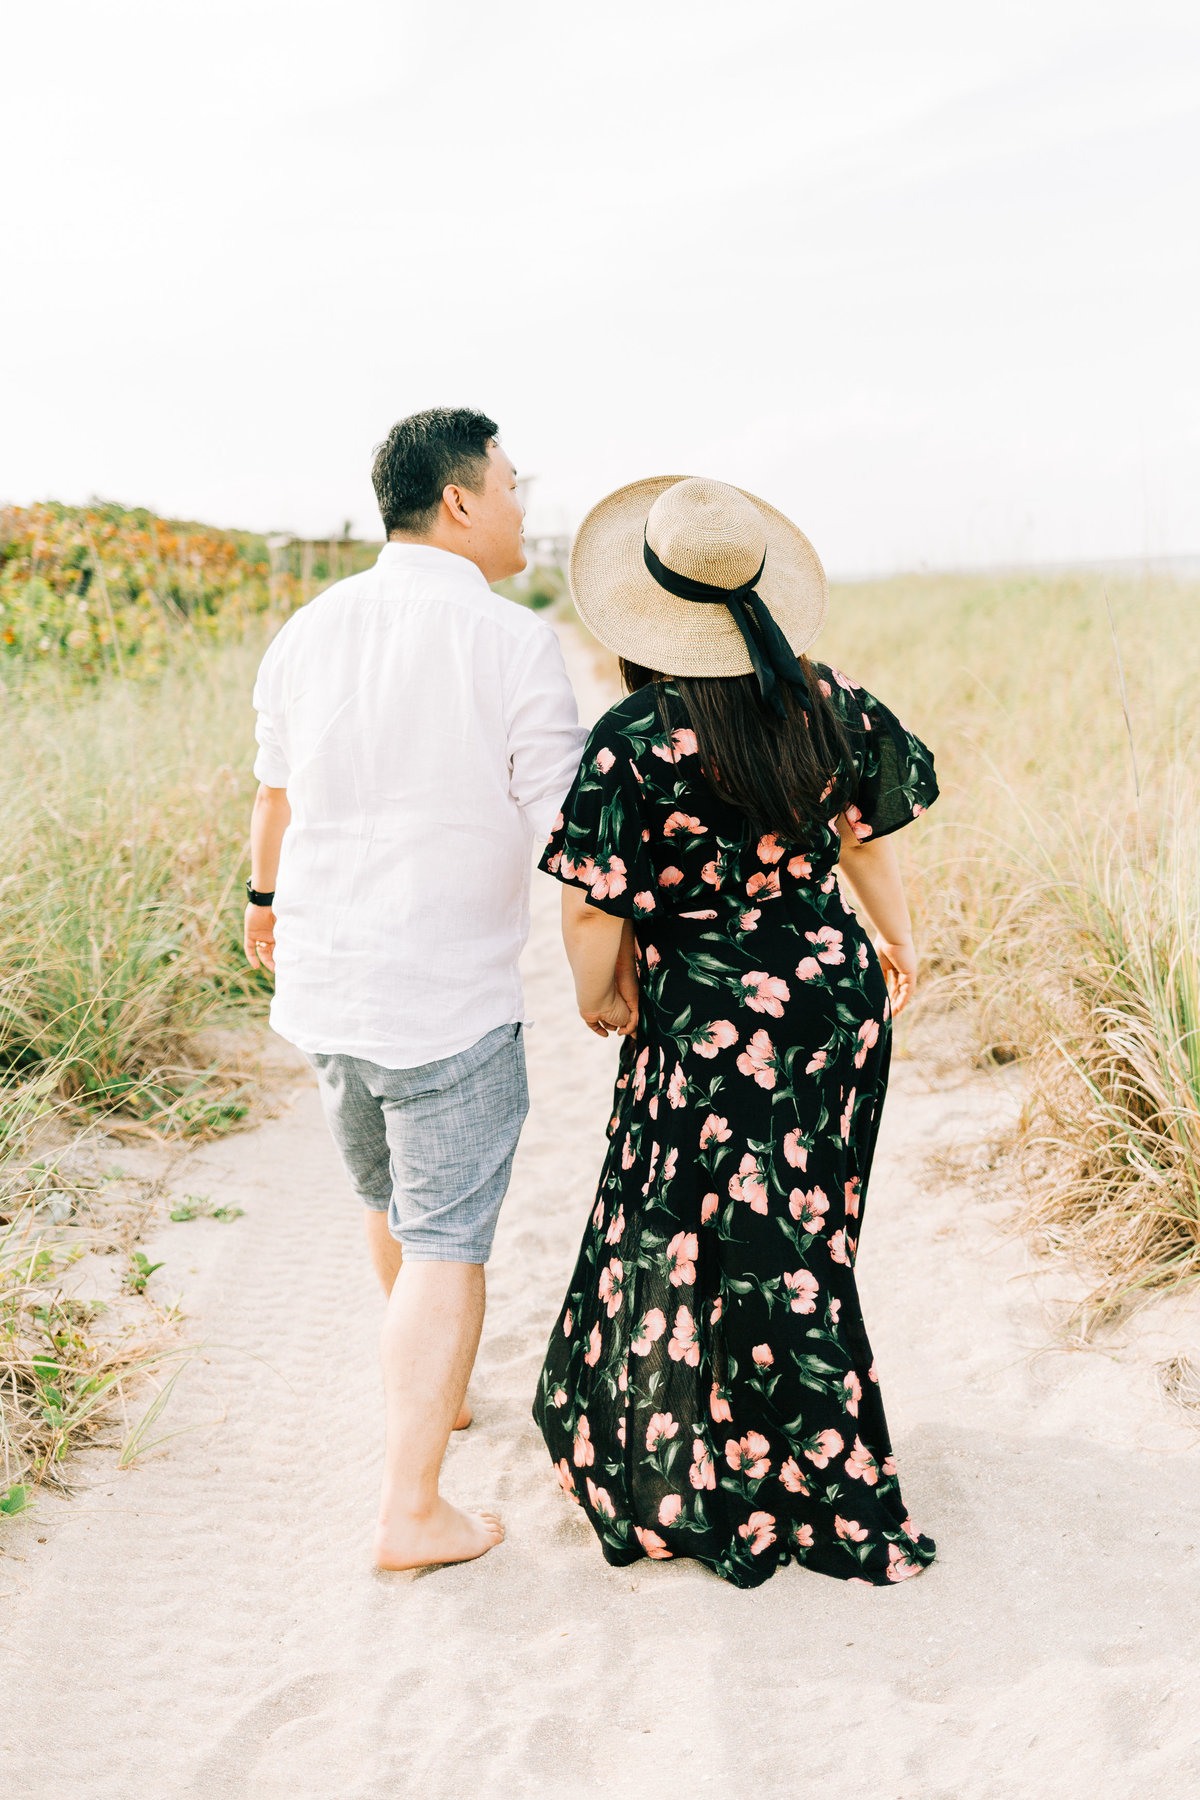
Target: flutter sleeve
600,836
895,778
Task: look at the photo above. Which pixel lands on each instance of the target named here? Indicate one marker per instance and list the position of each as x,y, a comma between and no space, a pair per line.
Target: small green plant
199,1206
140,1271
14,1501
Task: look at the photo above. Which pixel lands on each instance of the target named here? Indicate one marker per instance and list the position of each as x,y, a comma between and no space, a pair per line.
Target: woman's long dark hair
787,775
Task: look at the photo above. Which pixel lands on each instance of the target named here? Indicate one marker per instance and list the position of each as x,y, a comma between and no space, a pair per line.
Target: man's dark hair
421,455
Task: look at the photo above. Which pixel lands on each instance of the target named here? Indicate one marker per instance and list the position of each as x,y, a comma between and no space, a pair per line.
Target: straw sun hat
693,577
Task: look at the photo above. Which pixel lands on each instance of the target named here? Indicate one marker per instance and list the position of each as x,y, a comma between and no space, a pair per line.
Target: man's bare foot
445,1535
465,1415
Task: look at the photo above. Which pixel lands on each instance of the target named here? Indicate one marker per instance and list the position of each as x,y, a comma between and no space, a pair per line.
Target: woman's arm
599,949
872,874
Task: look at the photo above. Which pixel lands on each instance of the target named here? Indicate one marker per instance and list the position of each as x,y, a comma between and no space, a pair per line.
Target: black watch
257,899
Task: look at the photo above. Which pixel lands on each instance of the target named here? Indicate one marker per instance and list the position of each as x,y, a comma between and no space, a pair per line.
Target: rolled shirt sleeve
270,764
545,738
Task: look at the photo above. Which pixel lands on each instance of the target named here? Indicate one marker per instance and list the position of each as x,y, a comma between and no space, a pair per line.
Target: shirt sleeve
545,737
271,764
599,838
895,778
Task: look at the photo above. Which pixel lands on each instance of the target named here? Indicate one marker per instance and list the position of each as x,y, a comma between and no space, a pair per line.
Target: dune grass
1056,881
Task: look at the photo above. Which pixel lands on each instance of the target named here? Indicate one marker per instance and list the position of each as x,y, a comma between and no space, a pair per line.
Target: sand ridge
208,1626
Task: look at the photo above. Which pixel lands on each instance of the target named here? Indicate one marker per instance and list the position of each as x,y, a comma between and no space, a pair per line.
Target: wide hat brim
625,608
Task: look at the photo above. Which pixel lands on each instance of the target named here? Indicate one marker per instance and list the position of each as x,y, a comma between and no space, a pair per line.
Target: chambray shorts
432,1146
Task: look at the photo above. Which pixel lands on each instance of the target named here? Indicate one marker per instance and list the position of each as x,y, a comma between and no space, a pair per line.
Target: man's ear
452,498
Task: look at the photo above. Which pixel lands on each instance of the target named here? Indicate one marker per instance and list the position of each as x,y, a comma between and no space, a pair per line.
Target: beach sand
208,1626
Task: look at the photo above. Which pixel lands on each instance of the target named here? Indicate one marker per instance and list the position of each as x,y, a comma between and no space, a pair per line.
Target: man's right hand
258,937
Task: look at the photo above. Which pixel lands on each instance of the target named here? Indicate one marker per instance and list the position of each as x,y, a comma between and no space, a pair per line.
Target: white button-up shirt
426,733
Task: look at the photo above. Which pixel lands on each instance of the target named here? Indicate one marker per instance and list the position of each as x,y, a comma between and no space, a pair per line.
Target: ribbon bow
771,656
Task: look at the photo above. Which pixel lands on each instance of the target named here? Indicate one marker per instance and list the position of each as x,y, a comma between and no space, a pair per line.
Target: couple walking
709,1389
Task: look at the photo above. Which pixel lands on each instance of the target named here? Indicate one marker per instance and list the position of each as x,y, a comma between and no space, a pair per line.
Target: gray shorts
432,1146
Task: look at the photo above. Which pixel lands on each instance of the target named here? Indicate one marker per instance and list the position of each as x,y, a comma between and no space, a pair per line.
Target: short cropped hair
424,453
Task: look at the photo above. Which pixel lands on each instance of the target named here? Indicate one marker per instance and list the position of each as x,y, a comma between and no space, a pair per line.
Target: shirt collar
428,556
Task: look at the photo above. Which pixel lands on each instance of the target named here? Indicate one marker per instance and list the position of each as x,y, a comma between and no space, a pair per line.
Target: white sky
923,276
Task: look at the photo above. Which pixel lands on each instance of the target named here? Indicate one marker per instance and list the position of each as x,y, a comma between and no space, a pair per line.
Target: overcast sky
925,277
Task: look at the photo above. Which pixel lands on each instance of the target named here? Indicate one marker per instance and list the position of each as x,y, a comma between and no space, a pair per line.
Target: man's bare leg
430,1336
387,1256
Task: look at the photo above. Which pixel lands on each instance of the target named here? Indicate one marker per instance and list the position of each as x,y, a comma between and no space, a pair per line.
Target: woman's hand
899,964
258,937
613,1014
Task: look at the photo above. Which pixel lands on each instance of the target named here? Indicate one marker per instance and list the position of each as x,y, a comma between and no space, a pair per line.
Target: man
416,736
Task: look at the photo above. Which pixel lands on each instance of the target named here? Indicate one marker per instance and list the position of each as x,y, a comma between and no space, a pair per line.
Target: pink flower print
918,809
835,1311
554,863
843,681
584,1453
610,1289
831,951
639,1072
585,871
803,1288
808,968
758,1059
676,1086
829,883
627,1153
809,1210
792,1477
682,1252
847,1115
718,1307
888,1466
823,1447
591,1355
824,687
652,957
852,1197
748,1185
669,1509
817,1062
702,1473
616,1227
568,1324
868,1033
861,1465
857,823
684,1345
800,868
862,956
605,760
899,1567
909,1529
718,1406
802,1536
601,1499
681,821
557,826
559,1397
763,1355
749,1454
766,885
644,903
717,1036
611,882
652,1109
661,1426
714,1130
685,742
749,919
853,1387
670,877
708,1207
669,1167
708,913
649,1332
769,848
849,1528
766,994
795,1150
757,1531
712,872
598,1215
621,1431
566,1479
651,1543
622,1385
837,1249
653,1166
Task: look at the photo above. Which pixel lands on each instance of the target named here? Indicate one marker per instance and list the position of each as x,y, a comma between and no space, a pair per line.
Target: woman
709,1390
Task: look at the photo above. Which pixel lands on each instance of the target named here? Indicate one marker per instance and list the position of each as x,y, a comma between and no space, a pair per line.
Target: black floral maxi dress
709,1390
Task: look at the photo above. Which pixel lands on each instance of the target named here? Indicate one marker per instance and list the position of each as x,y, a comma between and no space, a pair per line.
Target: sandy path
208,1625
